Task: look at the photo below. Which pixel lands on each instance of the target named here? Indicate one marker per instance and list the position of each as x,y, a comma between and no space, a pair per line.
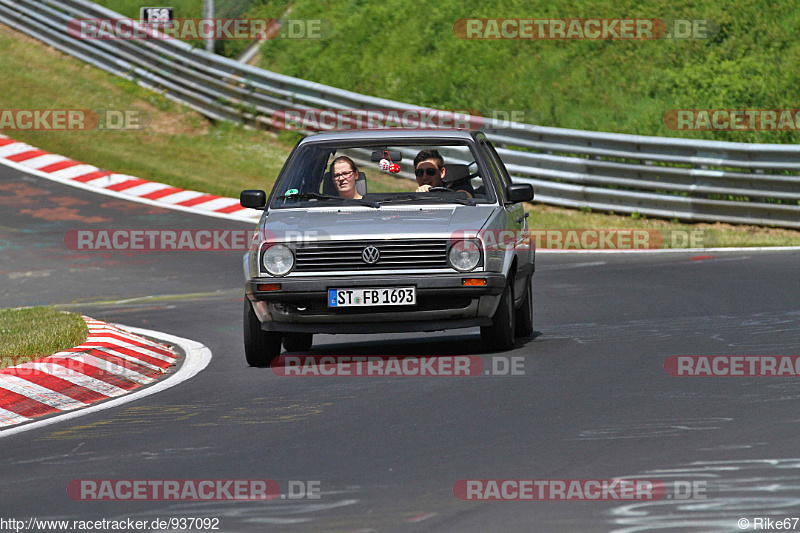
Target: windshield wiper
416,197
317,196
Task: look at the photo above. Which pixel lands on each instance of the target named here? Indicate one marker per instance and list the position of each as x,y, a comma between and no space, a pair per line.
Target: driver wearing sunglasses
429,170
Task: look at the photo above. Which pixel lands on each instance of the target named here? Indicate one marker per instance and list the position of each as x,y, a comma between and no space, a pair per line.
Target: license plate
372,297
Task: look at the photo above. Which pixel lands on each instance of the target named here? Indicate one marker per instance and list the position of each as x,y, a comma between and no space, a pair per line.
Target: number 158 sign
156,16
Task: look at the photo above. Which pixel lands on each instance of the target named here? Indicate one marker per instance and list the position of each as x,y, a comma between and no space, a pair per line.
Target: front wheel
524,316
500,335
260,347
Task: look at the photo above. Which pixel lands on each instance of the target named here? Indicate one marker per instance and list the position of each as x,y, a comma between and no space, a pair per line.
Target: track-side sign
156,17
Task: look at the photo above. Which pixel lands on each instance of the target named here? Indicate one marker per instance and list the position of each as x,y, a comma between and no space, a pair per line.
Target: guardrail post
208,13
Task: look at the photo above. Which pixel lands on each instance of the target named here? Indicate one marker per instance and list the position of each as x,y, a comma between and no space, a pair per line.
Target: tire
260,347
500,335
298,342
524,316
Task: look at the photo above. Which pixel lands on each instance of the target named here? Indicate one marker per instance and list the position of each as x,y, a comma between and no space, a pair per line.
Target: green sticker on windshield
292,191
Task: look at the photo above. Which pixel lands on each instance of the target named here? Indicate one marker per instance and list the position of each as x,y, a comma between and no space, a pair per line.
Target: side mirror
254,199
519,192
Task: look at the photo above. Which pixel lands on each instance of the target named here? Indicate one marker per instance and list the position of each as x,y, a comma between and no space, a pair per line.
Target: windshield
376,175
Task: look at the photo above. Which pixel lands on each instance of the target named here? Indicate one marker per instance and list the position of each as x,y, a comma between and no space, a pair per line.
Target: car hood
364,223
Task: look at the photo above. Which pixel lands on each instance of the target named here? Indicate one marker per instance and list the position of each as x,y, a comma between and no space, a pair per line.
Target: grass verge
182,148
36,332
178,147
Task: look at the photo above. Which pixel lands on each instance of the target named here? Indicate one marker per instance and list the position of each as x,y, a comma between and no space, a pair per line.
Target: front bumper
443,302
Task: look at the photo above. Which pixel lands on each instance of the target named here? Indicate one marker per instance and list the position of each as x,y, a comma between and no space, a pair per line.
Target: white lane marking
421,517
44,160
38,393
197,358
304,508
76,378
8,418
102,364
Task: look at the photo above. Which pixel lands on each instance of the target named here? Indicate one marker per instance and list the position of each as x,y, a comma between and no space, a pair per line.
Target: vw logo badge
370,255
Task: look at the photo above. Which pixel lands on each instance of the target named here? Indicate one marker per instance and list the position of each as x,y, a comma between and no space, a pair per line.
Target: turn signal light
473,282
268,286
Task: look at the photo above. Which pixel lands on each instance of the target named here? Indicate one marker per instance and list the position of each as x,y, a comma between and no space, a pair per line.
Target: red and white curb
65,170
111,363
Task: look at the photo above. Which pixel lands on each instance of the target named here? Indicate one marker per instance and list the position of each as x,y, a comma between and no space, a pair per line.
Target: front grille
394,254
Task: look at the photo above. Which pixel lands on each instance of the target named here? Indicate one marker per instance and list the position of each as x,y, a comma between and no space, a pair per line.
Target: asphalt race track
594,402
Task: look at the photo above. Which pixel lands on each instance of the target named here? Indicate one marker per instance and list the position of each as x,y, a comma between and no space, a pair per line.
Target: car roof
384,135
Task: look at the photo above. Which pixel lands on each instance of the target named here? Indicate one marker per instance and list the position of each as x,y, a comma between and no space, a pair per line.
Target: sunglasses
429,171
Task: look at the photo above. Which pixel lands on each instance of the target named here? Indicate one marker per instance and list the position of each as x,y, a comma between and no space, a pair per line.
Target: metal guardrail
693,180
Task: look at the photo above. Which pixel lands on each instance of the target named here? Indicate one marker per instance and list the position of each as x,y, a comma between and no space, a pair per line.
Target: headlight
464,255
278,260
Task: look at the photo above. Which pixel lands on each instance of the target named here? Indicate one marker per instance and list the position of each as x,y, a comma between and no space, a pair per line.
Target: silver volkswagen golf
388,231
